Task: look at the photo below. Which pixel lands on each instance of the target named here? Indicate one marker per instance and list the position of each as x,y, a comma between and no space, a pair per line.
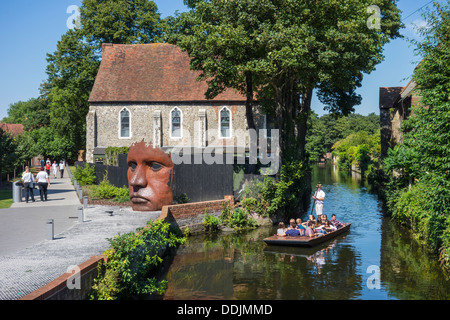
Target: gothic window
175,116
225,123
125,123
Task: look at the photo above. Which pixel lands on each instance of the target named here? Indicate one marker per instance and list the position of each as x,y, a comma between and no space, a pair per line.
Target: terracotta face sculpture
150,173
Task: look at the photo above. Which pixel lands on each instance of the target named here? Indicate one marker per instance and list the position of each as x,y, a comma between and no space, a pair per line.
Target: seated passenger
292,231
281,228
299,224
310,218
329,227
319,228
335,222
310,230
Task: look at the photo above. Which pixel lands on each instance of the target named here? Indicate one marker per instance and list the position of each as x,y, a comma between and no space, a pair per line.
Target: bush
132,262
105,190
210,222
240,220
85,176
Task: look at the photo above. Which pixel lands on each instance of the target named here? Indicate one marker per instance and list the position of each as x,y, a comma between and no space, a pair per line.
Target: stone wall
102,124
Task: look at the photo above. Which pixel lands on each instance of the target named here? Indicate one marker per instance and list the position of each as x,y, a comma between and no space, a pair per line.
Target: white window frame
181,123
120,123
220,123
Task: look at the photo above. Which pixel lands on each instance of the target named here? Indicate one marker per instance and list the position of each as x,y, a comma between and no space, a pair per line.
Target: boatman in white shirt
319,197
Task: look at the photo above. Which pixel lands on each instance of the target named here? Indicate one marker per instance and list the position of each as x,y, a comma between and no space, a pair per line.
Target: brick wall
191,214
62,288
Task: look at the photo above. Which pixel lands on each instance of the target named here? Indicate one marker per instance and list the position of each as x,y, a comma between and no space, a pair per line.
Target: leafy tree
72,68
7,153
31,114
120,21
282,50
419,194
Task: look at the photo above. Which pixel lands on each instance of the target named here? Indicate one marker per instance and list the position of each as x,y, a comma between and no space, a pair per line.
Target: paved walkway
28,261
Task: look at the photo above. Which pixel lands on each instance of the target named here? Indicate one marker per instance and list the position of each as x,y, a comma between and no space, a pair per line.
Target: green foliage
182,198
419,169
112,155
357,149
32,114
85,176
240,219
280,51
210,222
120,21
8,149
252,205
283,196
325,131
132,262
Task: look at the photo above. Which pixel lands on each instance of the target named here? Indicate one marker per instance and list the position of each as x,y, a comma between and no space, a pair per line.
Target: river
375,260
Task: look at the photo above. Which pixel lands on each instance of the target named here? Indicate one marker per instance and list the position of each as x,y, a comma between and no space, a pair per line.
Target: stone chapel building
148,91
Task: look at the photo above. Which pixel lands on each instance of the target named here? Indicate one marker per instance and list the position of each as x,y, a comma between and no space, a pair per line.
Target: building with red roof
148,91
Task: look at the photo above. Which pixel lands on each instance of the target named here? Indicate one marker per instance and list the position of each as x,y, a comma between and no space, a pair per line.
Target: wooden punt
302,241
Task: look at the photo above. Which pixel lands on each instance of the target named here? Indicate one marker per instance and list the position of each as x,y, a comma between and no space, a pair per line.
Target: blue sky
30,29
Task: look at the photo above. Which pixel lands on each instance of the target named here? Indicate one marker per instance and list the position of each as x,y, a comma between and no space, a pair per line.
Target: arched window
225,123
125,131
175,121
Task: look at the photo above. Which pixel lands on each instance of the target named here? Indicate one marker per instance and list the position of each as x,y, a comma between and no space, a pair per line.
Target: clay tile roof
388,96
14,129
149,73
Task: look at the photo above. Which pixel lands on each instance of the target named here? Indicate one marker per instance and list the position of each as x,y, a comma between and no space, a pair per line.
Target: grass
5,199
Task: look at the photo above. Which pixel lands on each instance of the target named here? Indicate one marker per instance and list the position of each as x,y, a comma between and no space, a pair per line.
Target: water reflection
241,266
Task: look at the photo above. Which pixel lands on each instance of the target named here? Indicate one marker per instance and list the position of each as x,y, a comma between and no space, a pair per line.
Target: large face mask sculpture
150,173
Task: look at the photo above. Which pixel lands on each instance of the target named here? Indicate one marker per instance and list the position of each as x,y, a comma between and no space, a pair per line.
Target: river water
376,259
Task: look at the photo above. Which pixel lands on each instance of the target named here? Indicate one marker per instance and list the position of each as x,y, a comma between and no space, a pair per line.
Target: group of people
42,179
313,226
309,228
55,167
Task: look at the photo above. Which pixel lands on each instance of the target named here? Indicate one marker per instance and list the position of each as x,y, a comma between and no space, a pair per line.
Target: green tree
419,193
282,50
7,153
72,68
32,114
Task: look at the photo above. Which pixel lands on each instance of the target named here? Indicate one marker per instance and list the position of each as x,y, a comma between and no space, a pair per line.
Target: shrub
85,176
132,262
240,220
210,222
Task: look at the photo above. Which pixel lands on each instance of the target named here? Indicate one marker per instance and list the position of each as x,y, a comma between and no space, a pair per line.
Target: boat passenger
310,230
300,227
310,218
300,224
292,231
329,227
319,228
281,228
335,222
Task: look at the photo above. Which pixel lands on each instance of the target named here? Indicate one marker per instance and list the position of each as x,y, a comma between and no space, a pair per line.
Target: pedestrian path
60,193
39,263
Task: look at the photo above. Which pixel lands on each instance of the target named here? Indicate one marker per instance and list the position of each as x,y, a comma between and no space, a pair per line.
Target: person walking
48,165
319,197
28,184
54,168
61,168
43,183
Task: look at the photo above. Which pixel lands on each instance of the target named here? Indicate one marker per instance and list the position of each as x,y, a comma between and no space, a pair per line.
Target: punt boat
303,241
